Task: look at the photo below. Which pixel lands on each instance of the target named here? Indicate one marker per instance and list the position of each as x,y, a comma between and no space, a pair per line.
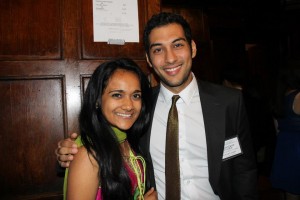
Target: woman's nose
127,104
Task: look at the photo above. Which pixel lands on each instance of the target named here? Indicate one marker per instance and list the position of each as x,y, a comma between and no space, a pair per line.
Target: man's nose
170,56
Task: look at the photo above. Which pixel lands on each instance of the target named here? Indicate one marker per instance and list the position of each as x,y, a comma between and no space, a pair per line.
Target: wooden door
47,54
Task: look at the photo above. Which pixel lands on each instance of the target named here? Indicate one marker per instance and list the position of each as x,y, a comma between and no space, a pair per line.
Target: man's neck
181,87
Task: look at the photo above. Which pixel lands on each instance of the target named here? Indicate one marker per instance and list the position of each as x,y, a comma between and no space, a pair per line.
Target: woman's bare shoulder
296,104
84,159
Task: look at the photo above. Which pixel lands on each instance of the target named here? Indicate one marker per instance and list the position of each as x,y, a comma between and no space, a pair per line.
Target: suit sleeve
244,166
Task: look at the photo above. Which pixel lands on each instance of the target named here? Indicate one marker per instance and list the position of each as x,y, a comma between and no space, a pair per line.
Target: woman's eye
116,95
137,96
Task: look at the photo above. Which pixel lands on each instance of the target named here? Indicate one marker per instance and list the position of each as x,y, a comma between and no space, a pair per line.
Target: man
215,148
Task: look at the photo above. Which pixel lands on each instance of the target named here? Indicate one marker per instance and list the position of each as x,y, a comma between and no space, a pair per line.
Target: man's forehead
166,34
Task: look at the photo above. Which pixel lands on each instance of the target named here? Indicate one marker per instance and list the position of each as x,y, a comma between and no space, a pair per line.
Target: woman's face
122,99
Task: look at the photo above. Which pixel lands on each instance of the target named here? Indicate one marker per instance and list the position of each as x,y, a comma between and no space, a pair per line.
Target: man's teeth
172,69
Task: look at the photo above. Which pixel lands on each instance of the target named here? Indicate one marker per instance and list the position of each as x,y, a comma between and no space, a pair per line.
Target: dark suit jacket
224,117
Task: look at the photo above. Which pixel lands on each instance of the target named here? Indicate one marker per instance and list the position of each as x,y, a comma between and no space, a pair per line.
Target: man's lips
173,70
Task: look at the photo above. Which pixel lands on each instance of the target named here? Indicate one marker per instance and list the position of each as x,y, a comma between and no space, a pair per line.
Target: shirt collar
186,94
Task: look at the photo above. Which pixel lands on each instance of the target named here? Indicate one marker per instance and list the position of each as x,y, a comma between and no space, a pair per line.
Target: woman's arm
83,179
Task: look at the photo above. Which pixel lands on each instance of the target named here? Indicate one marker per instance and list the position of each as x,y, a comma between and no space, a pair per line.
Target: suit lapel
146,138
145,143
214,121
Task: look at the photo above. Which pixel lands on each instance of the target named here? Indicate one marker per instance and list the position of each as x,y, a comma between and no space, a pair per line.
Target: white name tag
232,148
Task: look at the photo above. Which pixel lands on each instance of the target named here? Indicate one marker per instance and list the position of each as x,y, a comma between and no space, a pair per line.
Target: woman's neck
125,148
121,135
122,139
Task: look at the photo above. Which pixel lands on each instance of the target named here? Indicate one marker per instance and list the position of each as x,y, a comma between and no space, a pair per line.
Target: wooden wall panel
86,68
46,58
36,105
30,29
102,50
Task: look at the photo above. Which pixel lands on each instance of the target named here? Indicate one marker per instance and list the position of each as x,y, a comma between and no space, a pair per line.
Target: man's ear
148,60
194,49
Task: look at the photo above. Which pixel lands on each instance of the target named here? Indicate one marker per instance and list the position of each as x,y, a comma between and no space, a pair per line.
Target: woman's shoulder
296,104
82,174
83,159
83,154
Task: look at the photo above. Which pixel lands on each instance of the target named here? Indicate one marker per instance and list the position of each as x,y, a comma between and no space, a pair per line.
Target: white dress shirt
192,144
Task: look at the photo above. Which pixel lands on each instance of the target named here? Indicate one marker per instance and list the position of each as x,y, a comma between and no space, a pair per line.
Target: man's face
171,56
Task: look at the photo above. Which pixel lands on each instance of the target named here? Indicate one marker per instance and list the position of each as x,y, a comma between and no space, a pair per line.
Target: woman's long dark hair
97,135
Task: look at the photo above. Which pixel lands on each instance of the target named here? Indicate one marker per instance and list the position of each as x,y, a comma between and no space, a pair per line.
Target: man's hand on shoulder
66,149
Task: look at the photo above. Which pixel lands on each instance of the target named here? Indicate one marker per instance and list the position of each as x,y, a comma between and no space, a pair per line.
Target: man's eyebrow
155,45
159,44
179,39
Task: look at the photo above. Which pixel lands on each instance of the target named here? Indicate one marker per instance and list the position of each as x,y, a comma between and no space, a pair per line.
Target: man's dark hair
162,19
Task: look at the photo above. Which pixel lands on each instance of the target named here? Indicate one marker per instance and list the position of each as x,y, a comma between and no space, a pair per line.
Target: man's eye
157,51
178,45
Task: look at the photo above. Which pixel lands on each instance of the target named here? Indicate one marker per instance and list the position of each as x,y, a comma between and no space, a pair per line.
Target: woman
114,115
286,166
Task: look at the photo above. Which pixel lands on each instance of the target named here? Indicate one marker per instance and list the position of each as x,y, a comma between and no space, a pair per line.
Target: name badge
232,148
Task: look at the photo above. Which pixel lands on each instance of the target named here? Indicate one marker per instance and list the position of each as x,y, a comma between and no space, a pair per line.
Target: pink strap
98,197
